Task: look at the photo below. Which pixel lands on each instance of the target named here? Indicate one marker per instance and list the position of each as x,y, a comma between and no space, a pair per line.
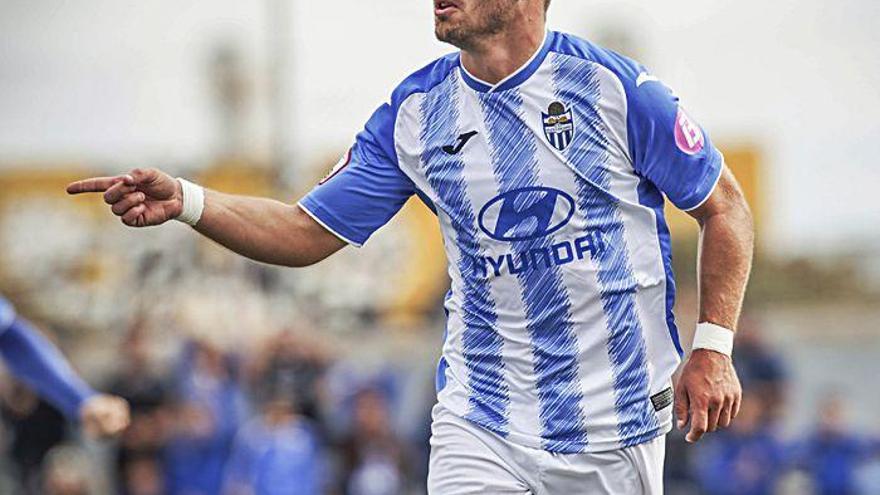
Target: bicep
317,240
727,198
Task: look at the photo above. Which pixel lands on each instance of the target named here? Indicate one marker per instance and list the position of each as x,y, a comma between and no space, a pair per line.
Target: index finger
93,185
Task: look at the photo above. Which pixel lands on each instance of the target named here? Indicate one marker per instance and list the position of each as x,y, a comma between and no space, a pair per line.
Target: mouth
445,7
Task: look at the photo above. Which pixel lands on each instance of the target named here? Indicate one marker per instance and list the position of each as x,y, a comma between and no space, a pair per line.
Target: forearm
261,229
36,362
726,246
264,230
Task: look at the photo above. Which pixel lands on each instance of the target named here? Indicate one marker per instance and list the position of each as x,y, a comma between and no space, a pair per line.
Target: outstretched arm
35,361
709,392
39,364
261,229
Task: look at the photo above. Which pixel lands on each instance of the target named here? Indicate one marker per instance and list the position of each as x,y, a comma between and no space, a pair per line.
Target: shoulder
425,79
382,125
646,96
625,68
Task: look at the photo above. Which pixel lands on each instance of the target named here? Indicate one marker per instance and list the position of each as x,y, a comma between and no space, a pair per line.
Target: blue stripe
490,397
577,85
547,302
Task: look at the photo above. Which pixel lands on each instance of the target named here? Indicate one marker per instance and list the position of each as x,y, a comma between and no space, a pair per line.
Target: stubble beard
489,19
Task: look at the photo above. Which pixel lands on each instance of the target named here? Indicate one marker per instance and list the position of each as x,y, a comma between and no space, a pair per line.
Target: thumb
682,405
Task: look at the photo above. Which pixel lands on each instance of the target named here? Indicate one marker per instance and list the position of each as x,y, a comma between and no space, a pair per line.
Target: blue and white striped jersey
549,187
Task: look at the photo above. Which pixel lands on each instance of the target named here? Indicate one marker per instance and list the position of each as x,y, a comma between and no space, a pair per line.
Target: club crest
559,125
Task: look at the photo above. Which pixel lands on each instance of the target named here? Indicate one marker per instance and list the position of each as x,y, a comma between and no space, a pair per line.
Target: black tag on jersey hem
662,400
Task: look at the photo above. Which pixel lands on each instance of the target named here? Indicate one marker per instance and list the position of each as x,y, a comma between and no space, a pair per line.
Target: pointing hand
141,198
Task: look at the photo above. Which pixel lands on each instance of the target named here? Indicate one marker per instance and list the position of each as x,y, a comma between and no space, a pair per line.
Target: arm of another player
261,229
39,364
709,393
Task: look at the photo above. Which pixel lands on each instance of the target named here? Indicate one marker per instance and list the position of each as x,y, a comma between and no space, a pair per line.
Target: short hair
546,5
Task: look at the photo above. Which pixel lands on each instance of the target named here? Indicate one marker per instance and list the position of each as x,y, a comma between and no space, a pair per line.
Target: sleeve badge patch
688,135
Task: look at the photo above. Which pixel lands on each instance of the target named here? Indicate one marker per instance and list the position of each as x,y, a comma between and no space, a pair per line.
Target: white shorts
467,459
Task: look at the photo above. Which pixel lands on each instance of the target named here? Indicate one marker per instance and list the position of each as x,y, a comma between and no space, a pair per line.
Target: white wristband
714,338
193,202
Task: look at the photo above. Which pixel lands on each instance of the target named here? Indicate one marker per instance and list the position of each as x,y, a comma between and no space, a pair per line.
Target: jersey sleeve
38,363
668,147
366,188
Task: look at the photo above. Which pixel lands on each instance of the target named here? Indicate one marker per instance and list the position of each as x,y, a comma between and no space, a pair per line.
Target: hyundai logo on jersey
541,258
559,125
526,213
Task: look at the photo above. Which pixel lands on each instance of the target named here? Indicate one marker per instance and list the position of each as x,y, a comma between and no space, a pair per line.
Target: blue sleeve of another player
668,147
39,364
366,188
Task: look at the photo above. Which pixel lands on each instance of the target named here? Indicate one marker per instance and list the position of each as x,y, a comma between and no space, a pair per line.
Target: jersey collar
518,77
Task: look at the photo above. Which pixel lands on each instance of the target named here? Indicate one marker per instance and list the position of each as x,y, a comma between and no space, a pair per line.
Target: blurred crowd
756,457
291,415
288,417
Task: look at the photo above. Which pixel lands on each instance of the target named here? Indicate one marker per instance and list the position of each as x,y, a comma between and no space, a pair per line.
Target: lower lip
445,10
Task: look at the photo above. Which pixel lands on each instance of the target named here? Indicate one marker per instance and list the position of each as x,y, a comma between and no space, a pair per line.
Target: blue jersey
549,188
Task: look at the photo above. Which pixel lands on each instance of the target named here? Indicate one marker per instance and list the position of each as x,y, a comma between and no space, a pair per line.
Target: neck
497,56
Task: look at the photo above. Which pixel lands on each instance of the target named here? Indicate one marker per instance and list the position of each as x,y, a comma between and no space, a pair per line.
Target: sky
122,83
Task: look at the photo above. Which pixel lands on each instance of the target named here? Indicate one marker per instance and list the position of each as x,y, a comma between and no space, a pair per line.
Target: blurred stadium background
331,368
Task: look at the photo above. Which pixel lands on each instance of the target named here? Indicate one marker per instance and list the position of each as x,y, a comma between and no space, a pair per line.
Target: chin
442,33
446,32
441,27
